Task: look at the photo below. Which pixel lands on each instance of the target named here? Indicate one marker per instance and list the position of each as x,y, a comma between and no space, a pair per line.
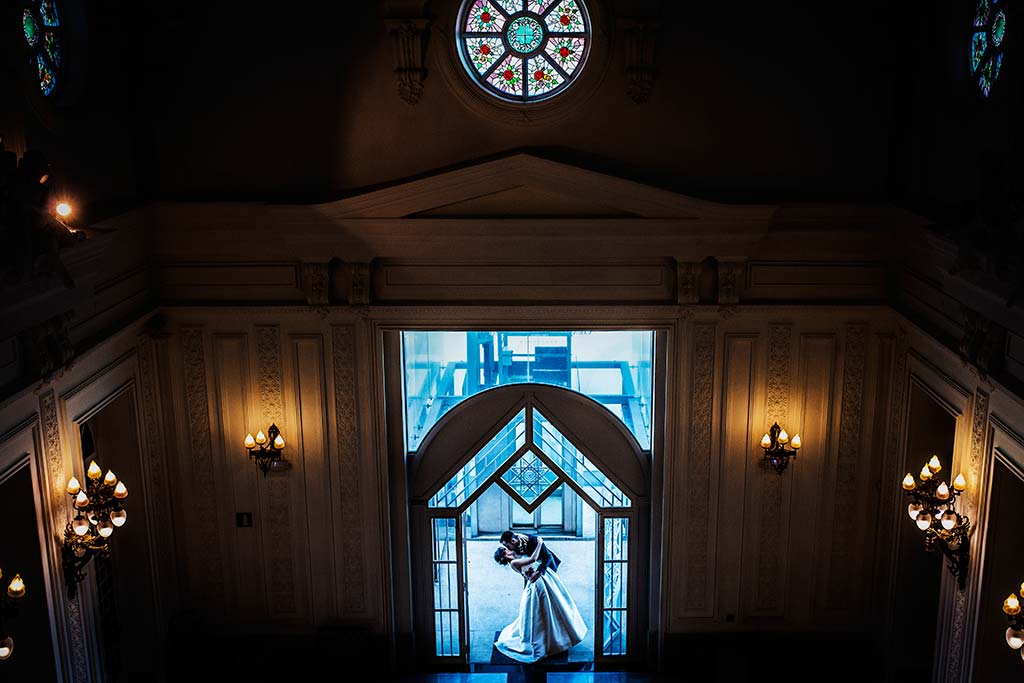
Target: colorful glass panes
483,17
566,18
53,49
998,28
524,34
47,79
529,477
986,47
484,52
524,50
48,11
30,27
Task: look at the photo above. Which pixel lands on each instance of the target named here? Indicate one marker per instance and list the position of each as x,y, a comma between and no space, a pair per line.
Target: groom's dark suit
547,557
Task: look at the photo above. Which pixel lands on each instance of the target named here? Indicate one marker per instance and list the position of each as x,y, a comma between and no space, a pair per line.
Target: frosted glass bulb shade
1011,605
63,209
80,525
942,493
17,588
924,520
279,442
908,482
783,437
250,442
120,491
73,486
934,465
110,479
94,471
105,528
960,483
261,438
766,441
81,500
914,509
1014,638
796,443
1021,652
118,517
6,648
926,473
92,518
948,520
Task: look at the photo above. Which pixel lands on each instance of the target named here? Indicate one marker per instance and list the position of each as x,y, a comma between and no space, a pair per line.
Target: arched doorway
530,440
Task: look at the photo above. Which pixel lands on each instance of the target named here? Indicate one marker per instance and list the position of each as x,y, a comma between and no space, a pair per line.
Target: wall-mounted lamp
774,444
8,610
100,509
1012,610
266,450
933,509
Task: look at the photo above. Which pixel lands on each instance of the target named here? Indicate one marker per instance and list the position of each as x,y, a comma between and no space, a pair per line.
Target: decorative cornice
409,38
315,283
730,274
687,282
639,38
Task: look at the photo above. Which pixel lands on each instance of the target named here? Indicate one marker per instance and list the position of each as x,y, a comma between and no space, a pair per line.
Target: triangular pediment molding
528,186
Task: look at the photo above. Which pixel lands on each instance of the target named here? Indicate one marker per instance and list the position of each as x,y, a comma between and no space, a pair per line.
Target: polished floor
526,675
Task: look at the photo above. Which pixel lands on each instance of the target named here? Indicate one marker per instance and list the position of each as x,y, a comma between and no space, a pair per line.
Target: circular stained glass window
41,24
523,50
987,40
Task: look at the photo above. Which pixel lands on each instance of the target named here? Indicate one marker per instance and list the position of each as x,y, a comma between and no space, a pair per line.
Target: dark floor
525,674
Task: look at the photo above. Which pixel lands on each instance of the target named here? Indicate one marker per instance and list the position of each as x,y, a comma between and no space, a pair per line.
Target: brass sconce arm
267,450
776,454
933,509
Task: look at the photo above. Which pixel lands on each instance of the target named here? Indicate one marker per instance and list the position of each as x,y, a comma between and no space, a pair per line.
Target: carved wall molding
698,473
281,569
769,559
687,282
207,579
352,565
409,37
50,419
639,38
729,280
845,551
315,283
983,343
359,293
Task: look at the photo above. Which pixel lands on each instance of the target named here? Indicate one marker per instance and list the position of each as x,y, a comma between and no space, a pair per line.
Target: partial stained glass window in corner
615,575
41,25
529,477
987,40
30,27
444,565
486,462
599,488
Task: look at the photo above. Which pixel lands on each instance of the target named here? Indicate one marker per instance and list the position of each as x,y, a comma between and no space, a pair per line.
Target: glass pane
616,538
520,517
598,487
529,477
615,600
614,633
444,368
446,589
551,509
482,465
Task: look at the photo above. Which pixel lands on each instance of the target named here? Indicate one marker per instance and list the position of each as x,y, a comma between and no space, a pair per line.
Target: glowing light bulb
1014,638
120,491
934,465
960,483
783,437
766,441
924,521
73,486
80,525
6,648
118,517
279,442
94,471
63,209
250,442
914,509
795,443
81,500
261,438
908,482
17,588
948,520
942,493
926,473
1011,605
105,528
110,479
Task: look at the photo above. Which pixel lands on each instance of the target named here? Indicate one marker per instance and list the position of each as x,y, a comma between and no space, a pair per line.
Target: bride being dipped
548,621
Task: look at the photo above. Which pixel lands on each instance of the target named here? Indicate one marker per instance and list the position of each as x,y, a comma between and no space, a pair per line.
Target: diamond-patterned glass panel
492,456
529,477
598,487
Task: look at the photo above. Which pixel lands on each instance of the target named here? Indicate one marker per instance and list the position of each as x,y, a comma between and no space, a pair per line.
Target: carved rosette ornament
409,42
687,283
729,274
639,39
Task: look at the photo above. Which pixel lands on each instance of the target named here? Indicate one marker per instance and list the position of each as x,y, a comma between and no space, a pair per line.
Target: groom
526,544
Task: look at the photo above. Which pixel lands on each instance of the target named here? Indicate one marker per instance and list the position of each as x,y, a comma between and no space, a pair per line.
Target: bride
548,621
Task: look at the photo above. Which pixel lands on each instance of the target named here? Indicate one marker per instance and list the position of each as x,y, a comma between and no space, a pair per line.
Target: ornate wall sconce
100,509
8,610
266,450
1012,610
774,443
933,509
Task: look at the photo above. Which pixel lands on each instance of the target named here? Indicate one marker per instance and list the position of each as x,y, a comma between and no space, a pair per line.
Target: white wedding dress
548,623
